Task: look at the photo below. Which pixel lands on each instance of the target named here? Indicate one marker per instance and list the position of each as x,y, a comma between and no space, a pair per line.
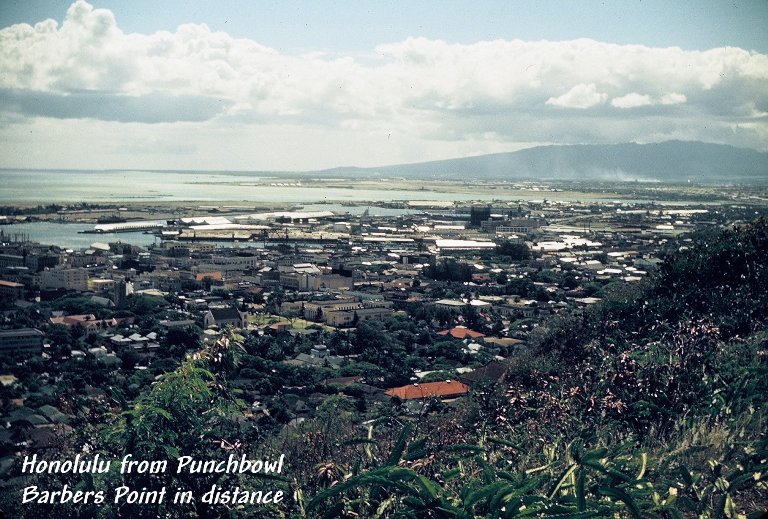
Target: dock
125,227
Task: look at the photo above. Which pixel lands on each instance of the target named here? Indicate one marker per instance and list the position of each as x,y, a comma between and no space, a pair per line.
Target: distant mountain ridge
670,161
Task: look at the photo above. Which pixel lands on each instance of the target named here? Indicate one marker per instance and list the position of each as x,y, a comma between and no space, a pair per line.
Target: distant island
671,161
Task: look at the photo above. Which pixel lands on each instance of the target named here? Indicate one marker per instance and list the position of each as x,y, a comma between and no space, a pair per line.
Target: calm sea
51,186
46,186
68,235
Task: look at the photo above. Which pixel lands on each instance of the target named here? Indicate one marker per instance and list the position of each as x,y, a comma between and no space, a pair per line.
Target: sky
299,85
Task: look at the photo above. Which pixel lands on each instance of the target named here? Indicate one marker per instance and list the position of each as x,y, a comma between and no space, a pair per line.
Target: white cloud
673,99
632,100
635,100
580,96
431,94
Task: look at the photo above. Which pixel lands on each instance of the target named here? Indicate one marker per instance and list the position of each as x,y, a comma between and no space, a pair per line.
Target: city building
11,291
69,279
223,317
23,340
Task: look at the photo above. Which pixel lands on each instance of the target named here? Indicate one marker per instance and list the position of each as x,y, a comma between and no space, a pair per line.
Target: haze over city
294,86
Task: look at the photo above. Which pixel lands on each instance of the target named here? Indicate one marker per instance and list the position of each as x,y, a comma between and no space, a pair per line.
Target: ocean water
68,235
67,187
48,186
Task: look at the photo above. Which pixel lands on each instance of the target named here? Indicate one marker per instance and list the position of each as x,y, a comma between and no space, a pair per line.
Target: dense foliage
650,404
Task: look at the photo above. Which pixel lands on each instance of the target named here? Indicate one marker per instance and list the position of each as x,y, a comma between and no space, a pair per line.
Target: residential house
447,389
461,332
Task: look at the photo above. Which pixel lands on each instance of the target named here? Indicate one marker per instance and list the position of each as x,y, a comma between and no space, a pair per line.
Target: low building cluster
391,310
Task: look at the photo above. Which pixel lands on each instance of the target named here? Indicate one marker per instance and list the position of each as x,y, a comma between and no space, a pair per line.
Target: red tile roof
90,321
461,332
429,389
280,326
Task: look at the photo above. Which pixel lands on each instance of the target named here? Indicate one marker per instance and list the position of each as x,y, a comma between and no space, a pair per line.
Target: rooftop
428,390
460,332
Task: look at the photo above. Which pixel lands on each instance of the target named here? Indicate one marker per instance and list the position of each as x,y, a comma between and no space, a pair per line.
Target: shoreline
483,192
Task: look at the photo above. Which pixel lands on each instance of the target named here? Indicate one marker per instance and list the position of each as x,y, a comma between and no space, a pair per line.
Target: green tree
515,251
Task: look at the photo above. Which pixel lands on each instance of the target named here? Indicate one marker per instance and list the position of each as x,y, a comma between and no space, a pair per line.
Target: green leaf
623,497
561,480
162,412
594,455
429,486
172,452
416,450
610,472
505,443
503,474
644,460
686,475
450,474
501,498
581,502
399,448
483,493
383,507
470,449
507,493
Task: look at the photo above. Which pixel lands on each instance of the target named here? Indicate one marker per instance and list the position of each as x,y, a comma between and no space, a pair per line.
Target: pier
125,227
